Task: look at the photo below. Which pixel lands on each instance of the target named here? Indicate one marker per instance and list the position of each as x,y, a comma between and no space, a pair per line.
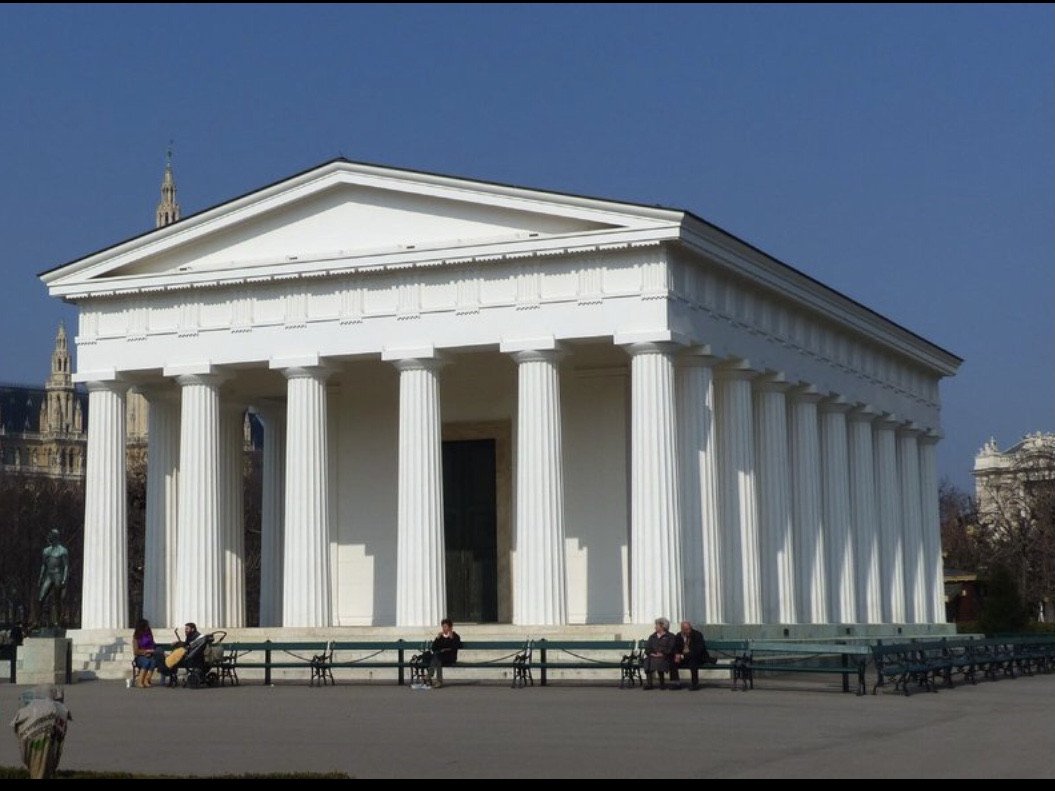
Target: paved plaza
996,729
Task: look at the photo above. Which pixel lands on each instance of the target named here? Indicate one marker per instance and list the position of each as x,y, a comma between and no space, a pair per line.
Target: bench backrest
880,651
812,649
589,645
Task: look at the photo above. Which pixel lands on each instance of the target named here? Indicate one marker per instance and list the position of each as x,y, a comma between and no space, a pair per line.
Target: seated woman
149,657
659,650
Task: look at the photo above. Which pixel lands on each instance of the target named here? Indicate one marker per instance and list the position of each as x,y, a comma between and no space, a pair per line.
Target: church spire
56,412
168,209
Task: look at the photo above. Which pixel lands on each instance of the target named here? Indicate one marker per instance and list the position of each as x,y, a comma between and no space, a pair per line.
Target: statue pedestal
42,660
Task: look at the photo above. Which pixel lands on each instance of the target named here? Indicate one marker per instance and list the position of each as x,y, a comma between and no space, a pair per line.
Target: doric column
655,533
865,516
162,507
421,584
701,545
835,494
104,596
811,561
232,504
272,513
774,500
306,551
741,556
888,509
934,565
916,594
199,536
539,597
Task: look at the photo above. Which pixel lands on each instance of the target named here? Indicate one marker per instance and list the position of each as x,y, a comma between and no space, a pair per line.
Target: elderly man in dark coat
659,648
690,652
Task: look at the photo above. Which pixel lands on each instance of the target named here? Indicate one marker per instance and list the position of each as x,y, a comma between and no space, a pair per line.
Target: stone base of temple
107,654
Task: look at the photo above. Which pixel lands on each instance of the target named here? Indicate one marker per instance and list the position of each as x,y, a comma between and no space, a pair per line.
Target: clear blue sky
902,155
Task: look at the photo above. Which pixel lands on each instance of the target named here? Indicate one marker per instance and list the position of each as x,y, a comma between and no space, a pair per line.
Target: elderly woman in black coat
659,652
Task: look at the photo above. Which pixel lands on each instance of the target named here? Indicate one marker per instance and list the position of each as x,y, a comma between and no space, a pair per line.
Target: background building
43,429
1004,478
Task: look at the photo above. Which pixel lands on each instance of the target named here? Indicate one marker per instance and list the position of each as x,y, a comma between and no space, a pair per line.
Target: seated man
180,649
190,633
690,652
444,652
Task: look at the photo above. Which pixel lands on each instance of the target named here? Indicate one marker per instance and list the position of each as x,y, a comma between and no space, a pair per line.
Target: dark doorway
470,529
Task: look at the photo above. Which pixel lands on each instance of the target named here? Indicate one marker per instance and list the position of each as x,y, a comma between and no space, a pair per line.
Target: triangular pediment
343,211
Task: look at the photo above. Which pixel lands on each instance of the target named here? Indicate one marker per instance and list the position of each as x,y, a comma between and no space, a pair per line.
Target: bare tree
1017,530
959,528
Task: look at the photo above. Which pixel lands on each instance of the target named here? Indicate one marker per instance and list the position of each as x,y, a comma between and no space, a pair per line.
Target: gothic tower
61,414
168,209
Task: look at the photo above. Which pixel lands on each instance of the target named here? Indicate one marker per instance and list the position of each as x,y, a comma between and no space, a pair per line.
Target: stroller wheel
193,681
212,679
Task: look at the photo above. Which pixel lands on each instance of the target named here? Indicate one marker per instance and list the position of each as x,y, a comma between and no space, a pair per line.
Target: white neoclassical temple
502,404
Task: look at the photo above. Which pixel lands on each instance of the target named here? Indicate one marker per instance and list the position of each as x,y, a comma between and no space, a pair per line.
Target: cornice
391,261
741,259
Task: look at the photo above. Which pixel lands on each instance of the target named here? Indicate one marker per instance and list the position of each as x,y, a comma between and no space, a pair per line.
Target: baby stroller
199,660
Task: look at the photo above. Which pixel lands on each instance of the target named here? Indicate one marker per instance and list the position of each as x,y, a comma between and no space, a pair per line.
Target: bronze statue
54,574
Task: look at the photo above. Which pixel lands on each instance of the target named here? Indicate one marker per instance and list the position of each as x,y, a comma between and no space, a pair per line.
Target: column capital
538,355
772,382
909,429
651,347
735,369
394,354
650,336
208,380
107,386
806,393
320,372
417,358
419,363
834,403
306,366
698,357
930,437
206,368
887,421
539,344
863,413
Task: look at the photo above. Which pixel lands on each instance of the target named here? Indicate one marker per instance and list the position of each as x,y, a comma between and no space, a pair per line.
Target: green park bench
962,658
789,657
319,657
902,663
322,658
921,663
624,656
518,660
1033,653
569,655
997,656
